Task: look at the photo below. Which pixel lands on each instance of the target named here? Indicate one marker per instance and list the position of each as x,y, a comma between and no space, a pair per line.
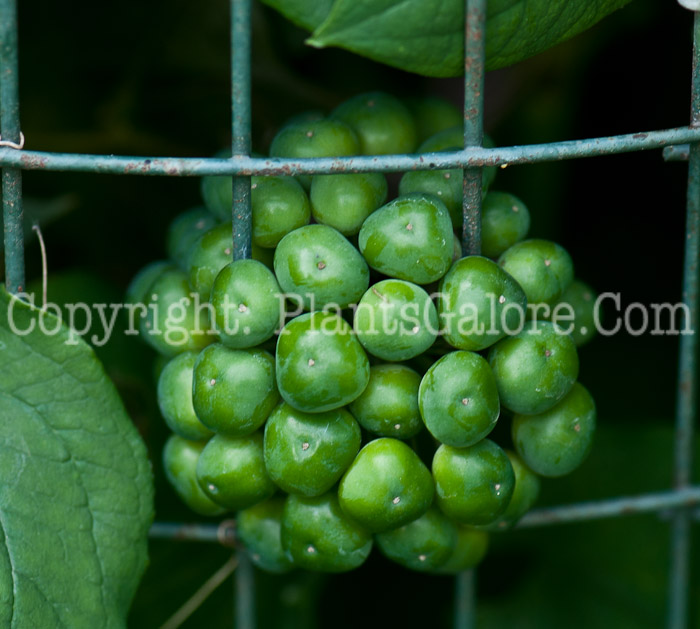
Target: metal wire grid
680,499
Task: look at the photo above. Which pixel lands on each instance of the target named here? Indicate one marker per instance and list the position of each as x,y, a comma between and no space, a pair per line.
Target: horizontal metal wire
222,533
243,165
595,510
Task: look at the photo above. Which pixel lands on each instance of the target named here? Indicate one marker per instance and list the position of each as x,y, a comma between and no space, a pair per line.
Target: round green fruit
469,550
382,122
317,535
447,185
423,545
306,453
175,398
320,267
388,407
137,291
315,138
386,486
345,201
248,304
479,303
231,471
180,458
473,485
396,320
234,390
557,441
259,528
432,114
578,303
543,268
183,232
279,206
527,489
409,238
458,399
321,366
505,220
535,368
173,322
211,252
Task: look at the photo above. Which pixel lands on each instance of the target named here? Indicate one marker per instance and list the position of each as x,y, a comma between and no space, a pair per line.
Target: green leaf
426,36
76,496
305,13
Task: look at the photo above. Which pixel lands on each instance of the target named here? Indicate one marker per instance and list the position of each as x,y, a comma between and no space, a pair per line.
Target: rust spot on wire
38,163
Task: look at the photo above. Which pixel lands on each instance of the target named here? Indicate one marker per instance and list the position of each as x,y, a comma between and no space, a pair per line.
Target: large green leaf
305,13
76,496
427,36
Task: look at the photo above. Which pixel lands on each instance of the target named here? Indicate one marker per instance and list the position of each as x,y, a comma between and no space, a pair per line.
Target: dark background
151,78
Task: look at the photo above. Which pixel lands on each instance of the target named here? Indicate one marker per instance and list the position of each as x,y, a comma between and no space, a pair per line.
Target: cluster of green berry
365,326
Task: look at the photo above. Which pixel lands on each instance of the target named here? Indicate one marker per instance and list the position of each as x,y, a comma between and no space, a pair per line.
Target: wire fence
682,499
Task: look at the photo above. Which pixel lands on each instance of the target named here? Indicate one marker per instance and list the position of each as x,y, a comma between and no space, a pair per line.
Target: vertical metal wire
687,401
474,37
465,600
244,591
240,118
10,131
244,582
474,54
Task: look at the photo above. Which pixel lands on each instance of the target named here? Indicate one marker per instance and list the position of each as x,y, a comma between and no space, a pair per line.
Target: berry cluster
338,389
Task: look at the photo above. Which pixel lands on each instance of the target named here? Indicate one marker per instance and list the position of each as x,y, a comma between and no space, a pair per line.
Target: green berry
473,485
557,441
279,205
580,300
217,191
432,114
259,528
458,399
469,550
505,220
447,185
321,366
479,303
173,322
345,201
307,453
231,471
318,265
409,238
543,268
234,390
396,320
137,291
318,535
386,486
180,458
388,407
212,251
527,489
382,122
315,138
175,398
247,302
535,368
423,545
183,232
